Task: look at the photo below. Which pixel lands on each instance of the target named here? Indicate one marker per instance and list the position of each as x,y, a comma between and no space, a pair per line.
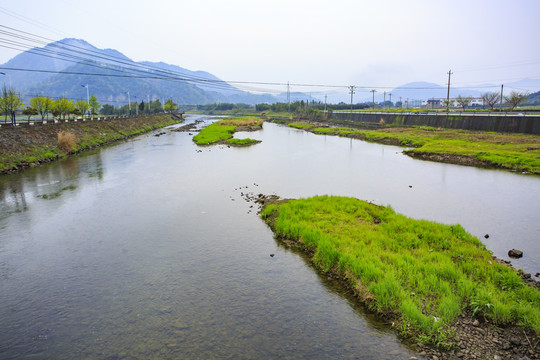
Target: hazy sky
340,42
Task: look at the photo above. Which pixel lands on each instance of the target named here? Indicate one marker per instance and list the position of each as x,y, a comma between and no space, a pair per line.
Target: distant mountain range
426,90
62,68
66,65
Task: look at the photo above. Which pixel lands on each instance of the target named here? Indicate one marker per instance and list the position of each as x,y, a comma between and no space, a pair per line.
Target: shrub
66,141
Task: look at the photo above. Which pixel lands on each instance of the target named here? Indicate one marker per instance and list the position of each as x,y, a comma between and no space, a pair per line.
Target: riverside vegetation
222,131
517,152
28,146
420,274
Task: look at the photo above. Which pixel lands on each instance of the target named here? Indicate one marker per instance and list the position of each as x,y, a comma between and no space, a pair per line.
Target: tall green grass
223,130
422,273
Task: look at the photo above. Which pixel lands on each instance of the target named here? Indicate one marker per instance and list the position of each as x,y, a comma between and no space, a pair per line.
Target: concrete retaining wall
497,123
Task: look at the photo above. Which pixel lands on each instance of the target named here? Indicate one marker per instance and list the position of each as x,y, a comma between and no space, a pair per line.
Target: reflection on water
148,250
18,191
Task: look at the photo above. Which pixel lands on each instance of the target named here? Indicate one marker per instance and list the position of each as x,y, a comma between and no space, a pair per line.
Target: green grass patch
300,126
242,142
422,273
223,130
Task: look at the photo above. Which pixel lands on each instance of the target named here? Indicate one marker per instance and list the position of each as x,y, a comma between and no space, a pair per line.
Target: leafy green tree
155,107
10,102
170,105
94,105
491,99
262,107
42,104
29,111
64,107
82,106
107,109
141,107
515,98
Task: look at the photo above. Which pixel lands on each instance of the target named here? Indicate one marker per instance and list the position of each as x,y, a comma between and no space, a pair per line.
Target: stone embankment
27,145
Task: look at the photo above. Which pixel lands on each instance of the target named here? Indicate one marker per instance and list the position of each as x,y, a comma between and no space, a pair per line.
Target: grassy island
222,131
518,152
420,274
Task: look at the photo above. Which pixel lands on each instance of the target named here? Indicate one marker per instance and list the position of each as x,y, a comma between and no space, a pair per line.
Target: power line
94,58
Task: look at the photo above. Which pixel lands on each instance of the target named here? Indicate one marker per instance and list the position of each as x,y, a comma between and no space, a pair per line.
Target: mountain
81,63
47,58
426,90
84,63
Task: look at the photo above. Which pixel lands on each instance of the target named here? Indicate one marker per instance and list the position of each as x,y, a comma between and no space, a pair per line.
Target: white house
440,103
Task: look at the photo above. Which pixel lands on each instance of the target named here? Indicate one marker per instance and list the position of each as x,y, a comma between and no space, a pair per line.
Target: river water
147,250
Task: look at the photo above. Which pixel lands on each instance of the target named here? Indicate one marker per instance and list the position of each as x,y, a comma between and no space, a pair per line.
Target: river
147,249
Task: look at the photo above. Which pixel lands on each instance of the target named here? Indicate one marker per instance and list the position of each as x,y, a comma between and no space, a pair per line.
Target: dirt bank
28,146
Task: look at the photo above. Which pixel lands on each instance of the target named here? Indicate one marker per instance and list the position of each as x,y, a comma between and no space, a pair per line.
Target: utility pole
384,101
351,90
373,92
87,96
289,96
500,104
448,92
129,103
325,103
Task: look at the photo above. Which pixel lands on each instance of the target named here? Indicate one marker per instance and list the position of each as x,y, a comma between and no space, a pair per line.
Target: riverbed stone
515,253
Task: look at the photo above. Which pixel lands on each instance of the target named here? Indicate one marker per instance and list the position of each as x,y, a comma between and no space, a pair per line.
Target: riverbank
28,146
222,131
515,152
435,284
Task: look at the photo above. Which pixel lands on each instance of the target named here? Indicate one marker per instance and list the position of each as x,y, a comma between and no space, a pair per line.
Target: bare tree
447,103
463,101
491,99
515,98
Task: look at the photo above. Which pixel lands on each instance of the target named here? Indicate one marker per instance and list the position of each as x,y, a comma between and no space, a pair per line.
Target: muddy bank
474,337
28,146
451,159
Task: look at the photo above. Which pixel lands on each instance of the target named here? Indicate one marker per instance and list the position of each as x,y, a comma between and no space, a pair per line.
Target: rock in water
515,253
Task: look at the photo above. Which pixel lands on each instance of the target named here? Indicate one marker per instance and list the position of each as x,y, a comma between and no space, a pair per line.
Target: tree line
11,102
492,99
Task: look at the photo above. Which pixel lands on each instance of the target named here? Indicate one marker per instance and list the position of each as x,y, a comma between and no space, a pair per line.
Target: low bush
66,141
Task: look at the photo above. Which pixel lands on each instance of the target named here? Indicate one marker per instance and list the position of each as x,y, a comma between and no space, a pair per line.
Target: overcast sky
339,42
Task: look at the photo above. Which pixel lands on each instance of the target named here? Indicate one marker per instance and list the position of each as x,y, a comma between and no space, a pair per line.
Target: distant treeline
153,107
293,107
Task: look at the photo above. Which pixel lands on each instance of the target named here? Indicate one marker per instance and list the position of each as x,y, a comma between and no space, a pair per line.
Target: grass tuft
66,141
